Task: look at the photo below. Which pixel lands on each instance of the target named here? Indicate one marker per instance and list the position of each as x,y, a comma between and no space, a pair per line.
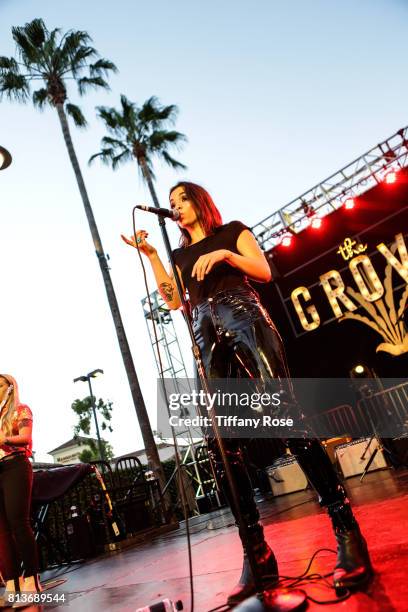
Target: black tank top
223,275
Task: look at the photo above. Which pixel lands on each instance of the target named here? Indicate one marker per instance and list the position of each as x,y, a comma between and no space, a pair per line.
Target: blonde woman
18,549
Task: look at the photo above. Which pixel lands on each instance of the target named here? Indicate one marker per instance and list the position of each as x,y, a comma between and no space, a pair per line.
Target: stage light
390,177
286,240
349,203
362,371
316,222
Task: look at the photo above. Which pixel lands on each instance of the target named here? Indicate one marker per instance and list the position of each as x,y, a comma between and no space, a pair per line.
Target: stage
295,528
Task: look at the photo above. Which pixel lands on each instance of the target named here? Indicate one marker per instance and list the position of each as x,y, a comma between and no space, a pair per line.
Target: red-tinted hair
207,213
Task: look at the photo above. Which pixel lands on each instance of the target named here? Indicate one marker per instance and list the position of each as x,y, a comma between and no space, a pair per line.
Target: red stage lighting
316,222
391,177
286,240
349,203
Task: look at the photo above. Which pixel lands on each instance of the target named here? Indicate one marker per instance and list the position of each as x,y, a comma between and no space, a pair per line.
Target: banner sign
372,288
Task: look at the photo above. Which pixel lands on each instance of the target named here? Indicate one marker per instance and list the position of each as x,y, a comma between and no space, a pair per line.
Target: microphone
162,212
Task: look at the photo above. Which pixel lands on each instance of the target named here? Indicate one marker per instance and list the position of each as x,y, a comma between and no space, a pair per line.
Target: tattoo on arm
166,291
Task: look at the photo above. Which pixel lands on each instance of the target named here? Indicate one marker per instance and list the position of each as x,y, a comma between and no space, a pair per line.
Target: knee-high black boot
353,567
262,553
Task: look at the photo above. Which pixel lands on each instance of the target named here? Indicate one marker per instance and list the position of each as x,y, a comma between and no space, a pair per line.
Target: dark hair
207,213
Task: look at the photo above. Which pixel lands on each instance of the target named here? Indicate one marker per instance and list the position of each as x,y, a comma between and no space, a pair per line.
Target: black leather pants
17,543
237,338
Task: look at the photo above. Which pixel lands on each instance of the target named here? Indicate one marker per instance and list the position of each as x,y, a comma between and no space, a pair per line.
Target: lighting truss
329,195
173,367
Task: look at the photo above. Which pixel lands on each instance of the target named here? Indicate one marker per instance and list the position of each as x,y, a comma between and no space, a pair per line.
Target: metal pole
101,453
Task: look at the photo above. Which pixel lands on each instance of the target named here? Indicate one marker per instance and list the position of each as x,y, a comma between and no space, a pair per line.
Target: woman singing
236,337
18,550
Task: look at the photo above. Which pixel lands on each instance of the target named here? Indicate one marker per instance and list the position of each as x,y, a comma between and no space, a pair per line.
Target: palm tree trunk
140,407
148,178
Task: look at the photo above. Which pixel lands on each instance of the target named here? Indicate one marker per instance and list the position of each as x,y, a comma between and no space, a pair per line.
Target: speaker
286,476
351,460
79,538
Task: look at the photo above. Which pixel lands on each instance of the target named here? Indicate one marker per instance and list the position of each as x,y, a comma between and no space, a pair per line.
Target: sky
273,98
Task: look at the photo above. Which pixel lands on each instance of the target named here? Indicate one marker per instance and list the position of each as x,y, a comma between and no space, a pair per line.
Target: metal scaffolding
159,317
329,195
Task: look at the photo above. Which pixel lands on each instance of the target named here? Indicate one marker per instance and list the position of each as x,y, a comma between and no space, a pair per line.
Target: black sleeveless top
223,275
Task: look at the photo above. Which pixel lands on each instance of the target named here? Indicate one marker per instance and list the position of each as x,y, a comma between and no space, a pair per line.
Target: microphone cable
177,458
302,580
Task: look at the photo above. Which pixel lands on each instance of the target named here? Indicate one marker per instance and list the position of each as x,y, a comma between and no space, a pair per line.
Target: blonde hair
9,407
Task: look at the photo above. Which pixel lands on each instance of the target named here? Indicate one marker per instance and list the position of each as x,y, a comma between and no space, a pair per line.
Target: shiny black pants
237,338
17,543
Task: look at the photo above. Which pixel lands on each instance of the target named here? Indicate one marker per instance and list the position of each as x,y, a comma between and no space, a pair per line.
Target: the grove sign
376,297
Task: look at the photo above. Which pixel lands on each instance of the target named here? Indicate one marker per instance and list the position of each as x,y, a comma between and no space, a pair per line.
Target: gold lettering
400,266
336,293
347,250
370,286
311,310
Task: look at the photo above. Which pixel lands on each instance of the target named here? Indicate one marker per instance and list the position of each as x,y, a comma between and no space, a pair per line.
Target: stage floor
295,527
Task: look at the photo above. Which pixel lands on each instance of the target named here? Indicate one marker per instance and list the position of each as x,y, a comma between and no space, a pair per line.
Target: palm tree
51,59
139,134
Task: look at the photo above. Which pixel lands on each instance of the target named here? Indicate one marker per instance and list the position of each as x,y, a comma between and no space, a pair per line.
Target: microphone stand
260,602
204,382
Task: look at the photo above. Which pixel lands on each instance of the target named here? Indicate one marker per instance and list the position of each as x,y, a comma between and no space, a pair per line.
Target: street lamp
87,378
5,158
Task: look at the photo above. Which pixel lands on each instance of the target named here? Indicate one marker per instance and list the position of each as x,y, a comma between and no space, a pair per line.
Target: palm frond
105,155
111,149
394,331
173,163
389,293
110,116
366,321
29,40
14,86
9,64
176,138
368,307
109,157
129,116
168,113
107,140
80,60
76,114
86,83
121,159
102,66
50,48
161,139
73,41
150,111
36,32
401,309
40,98
380,306
403,301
